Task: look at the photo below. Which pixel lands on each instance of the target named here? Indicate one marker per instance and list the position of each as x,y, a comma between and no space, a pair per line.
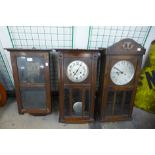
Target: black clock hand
77,70
118,70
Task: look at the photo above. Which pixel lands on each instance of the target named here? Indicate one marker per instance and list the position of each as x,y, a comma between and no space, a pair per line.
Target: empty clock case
32,80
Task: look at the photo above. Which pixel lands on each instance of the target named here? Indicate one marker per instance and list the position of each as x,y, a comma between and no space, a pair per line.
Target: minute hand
118,70
77,70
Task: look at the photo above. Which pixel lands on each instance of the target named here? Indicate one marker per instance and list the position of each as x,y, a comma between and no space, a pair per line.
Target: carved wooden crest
126,46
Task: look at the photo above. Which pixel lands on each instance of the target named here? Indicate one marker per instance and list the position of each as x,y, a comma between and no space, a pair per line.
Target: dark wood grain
20,85
126,49
90,58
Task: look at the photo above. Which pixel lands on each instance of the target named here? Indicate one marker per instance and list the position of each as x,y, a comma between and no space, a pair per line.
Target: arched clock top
126,46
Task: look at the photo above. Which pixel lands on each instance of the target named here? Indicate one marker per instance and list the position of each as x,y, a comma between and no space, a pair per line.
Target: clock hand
118,70
77,70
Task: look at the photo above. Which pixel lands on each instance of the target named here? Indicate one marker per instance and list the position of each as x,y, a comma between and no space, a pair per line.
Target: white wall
81,34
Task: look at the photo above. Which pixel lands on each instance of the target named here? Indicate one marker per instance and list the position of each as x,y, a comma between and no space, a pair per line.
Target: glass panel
119,97
31,69
87,102
109,103
73,102
33,98
127,104
77,102
66,102
121,105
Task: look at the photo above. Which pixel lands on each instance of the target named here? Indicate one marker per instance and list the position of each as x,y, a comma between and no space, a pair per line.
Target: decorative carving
127,45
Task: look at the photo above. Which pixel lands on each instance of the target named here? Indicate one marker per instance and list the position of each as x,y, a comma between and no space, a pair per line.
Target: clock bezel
68,60
74,81
123,84
113,61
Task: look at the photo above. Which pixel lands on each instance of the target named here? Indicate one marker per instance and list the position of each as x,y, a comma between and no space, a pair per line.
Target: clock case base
77,120
114,118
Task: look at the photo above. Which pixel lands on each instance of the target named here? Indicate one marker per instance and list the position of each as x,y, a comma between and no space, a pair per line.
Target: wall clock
119,74
77,85
32,80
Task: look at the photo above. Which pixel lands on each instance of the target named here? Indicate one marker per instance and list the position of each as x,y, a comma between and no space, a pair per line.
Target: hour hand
77,70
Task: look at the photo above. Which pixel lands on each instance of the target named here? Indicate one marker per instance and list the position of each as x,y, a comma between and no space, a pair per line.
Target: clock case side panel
48,83
36,111
105,85
61,86
103,68
94,80
16,82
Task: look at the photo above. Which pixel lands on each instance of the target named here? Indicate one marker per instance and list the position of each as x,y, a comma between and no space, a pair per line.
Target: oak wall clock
32,80
77,85
120,70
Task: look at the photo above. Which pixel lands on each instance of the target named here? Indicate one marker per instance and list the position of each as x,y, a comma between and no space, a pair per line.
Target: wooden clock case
71,92
32,80
116,102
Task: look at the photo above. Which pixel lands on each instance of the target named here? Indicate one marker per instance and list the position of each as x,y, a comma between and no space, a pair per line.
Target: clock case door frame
90,58
15,53
109,57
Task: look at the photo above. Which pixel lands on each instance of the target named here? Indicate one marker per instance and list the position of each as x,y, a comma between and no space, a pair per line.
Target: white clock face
122,72
77,71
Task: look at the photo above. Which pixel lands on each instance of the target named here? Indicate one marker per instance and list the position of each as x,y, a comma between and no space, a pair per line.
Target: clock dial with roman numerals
77,71
122,72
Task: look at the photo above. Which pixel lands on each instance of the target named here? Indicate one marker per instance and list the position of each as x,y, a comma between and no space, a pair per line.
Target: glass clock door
118,103
31,69
77,101
33,80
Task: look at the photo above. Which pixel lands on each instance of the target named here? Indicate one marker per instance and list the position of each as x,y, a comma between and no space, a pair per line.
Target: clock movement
77,85
119,72
32,80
